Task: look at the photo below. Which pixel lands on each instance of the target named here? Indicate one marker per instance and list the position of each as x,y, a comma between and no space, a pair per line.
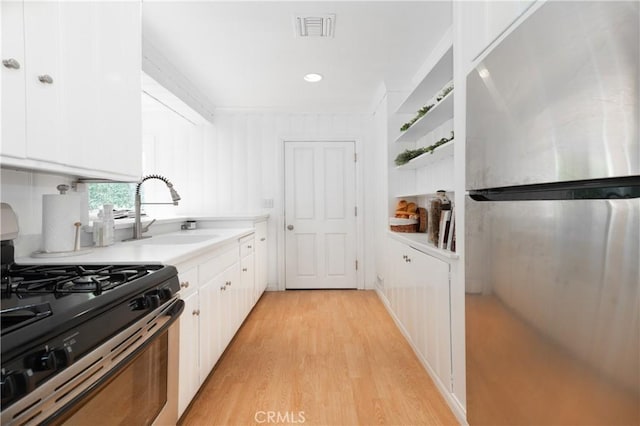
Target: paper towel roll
59,213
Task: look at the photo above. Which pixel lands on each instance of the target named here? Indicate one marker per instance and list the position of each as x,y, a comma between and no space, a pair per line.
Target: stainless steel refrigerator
553,221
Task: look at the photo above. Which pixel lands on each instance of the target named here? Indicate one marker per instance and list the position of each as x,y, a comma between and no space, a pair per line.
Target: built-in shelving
441,112
434,80
427,158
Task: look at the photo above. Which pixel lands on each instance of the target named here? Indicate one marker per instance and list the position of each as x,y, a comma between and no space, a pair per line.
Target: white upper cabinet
79,88
13,109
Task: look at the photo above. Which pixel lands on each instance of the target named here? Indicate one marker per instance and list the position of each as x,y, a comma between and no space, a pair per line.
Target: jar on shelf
436,205
446,202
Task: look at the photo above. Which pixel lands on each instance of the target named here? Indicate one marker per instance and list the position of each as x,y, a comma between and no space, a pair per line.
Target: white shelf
440,74
419,242
419,194
441,152
441,112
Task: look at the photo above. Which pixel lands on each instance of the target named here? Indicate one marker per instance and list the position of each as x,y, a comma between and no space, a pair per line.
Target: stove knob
152,301
8,388
54,359
148,301
46,361
16,384
64,357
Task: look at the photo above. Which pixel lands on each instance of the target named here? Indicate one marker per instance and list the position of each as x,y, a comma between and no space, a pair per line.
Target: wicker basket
403,225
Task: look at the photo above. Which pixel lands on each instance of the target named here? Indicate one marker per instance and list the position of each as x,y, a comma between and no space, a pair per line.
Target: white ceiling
245,54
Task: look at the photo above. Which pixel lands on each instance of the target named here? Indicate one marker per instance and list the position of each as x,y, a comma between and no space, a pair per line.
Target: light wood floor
336,356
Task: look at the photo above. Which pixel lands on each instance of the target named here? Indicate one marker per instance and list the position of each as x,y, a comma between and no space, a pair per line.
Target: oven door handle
176,310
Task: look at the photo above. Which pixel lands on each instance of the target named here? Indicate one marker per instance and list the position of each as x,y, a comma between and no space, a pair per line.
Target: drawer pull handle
45,78
249,247
184,284
262,239
196,312
224,287
244,269
228,283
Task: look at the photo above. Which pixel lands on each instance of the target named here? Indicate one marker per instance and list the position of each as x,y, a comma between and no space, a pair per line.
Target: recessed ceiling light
312,78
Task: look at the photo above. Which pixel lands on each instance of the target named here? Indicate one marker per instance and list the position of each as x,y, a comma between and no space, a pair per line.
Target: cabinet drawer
188,281
218,264
246,246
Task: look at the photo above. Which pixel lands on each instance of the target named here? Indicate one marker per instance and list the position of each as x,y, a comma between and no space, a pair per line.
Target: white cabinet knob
11,64
184,284
45,78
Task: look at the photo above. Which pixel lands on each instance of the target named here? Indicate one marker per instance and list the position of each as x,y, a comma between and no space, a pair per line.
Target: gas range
54,316
40,300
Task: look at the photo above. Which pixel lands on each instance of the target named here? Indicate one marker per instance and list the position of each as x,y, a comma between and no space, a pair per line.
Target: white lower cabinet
218,290
261,259
418,294
188,364
208,335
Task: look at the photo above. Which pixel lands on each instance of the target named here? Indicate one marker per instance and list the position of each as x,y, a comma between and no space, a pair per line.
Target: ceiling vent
315,26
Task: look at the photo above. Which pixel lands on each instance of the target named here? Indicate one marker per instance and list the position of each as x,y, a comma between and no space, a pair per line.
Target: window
121,195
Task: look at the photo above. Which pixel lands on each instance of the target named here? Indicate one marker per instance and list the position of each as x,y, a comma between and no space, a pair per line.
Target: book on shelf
445,223
452,233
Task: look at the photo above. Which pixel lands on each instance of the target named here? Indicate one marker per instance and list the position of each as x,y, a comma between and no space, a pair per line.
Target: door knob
290,227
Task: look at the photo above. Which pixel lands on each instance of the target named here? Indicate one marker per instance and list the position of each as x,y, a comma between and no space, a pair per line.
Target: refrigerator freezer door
552,312
557,100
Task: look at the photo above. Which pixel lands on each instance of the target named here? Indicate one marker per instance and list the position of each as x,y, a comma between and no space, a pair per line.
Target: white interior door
320,215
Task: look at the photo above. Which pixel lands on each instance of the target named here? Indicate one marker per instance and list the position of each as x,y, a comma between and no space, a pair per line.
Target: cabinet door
261,259
433,278
13,98
247,277
44,110
229,312
101,97
209,293
189,375
234,295
87,114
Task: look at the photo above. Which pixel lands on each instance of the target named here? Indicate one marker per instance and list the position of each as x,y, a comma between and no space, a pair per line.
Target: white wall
246,157
23,190
176,148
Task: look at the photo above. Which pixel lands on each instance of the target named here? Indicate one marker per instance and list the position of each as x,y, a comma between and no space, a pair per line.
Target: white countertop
146,251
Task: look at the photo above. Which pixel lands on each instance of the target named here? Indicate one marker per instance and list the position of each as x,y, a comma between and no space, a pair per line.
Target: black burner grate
61,280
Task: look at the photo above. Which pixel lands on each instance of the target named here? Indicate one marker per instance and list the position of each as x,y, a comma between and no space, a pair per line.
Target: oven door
130,379
143,391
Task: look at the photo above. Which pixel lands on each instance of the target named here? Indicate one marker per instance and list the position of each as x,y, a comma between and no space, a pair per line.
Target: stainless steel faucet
137,225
